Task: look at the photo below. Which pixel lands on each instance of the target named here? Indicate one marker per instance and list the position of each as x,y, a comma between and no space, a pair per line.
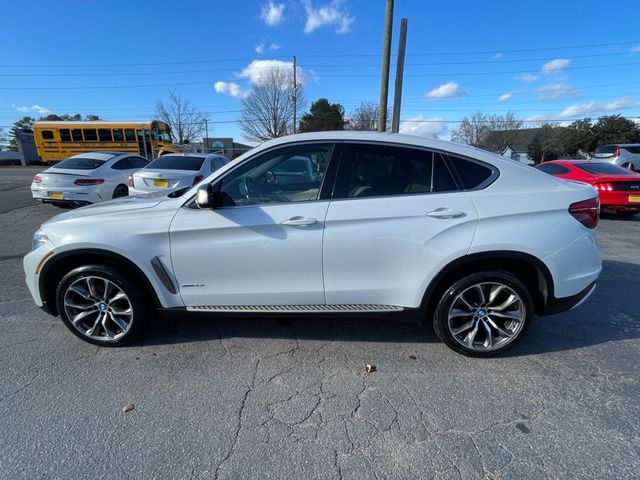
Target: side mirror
208,196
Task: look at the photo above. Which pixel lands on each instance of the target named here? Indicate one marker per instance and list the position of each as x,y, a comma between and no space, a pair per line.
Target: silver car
625,155
174,171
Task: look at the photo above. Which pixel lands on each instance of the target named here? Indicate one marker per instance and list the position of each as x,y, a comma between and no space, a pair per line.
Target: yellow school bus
59,140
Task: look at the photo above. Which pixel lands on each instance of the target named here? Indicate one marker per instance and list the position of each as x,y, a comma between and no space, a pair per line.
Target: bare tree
503,131
187,122
473,130
365,117
267,111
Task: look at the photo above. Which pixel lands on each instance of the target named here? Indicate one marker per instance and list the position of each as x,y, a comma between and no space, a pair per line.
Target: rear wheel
120,191
101,306
483,314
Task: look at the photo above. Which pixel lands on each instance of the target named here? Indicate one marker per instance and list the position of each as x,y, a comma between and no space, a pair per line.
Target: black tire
115,280
120,191
450,296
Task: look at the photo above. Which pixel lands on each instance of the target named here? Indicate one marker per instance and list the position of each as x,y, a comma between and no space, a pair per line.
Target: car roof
383,137
100,155
194,154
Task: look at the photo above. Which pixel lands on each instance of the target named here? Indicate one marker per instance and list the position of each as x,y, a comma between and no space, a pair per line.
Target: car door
263,246
398,215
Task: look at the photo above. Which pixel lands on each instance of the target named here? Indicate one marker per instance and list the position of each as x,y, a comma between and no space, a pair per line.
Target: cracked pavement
266,398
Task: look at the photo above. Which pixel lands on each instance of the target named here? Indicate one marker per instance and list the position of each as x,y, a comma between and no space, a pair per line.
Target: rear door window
473,174
370,170
634,150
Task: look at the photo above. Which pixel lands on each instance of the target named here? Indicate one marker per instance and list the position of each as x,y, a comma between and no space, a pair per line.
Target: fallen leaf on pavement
368,368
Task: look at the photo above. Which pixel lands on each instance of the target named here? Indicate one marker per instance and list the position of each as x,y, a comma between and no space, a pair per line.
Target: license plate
634,198
56,195
160,183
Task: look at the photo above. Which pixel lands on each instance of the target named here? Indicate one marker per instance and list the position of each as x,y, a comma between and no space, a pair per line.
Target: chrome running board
296,308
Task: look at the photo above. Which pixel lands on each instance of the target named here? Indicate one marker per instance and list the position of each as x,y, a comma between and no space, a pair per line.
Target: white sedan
86,178
175,171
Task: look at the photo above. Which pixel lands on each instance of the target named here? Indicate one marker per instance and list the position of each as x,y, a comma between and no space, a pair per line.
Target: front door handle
300,221
445,213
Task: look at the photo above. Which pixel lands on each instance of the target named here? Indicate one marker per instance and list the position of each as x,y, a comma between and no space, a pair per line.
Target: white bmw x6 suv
385,225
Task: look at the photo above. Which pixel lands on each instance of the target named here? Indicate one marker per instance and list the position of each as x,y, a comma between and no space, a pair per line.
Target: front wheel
483,314
120,191
101,306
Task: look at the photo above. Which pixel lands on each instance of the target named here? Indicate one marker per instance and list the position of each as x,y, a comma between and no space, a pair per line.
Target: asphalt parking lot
260,398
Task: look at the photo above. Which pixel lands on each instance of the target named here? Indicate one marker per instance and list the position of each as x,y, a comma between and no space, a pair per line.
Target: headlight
39,239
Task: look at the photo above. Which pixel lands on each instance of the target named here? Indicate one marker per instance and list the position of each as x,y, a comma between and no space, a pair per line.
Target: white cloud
258,69
33,108
556,65
229,88
505,97
262,47
272,13
592,107
446,90
497,56
555,91
635,49
333,14
528,77
424,127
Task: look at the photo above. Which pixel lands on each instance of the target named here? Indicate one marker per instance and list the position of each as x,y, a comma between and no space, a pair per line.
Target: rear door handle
300,221
445,213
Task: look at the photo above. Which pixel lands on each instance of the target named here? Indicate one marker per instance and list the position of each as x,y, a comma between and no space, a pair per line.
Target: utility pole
397,93
206,136
386,58
295,94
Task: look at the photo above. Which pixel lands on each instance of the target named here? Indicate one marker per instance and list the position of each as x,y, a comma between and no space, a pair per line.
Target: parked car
626,155
391,225
86,178
618,188
174,171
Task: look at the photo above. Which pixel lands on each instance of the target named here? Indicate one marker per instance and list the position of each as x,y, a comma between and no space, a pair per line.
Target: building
517,143
224,146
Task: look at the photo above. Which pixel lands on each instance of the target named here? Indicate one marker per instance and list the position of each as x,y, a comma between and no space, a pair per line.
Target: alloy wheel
486,316
98,308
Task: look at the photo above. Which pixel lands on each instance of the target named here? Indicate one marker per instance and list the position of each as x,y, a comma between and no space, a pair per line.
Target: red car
618,188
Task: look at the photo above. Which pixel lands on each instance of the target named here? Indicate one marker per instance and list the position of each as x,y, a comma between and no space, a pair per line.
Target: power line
311,55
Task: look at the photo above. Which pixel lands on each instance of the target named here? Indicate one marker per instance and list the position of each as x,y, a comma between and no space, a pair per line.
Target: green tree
323,116
577,138
615,129
547,144
26,122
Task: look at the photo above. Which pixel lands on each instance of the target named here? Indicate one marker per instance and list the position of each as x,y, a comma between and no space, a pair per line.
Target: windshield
603,169
80,163
176,162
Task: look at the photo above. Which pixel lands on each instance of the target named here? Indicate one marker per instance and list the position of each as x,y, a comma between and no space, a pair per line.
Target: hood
114,206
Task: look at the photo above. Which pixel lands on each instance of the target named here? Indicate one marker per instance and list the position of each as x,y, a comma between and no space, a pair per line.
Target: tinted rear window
174,162
634,150
603,169
606,149
80,163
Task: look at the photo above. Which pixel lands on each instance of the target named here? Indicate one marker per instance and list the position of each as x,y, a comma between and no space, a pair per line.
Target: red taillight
587,212
197,179
604,187
131,184
83,182
617,152
37,179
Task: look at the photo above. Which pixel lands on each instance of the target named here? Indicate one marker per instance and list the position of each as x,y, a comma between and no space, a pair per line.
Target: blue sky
557,60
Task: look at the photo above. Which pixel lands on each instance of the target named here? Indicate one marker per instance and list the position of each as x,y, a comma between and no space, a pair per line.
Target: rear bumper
559,305
77,196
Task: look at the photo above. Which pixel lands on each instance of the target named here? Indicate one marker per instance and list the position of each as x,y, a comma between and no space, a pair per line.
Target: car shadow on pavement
612,313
